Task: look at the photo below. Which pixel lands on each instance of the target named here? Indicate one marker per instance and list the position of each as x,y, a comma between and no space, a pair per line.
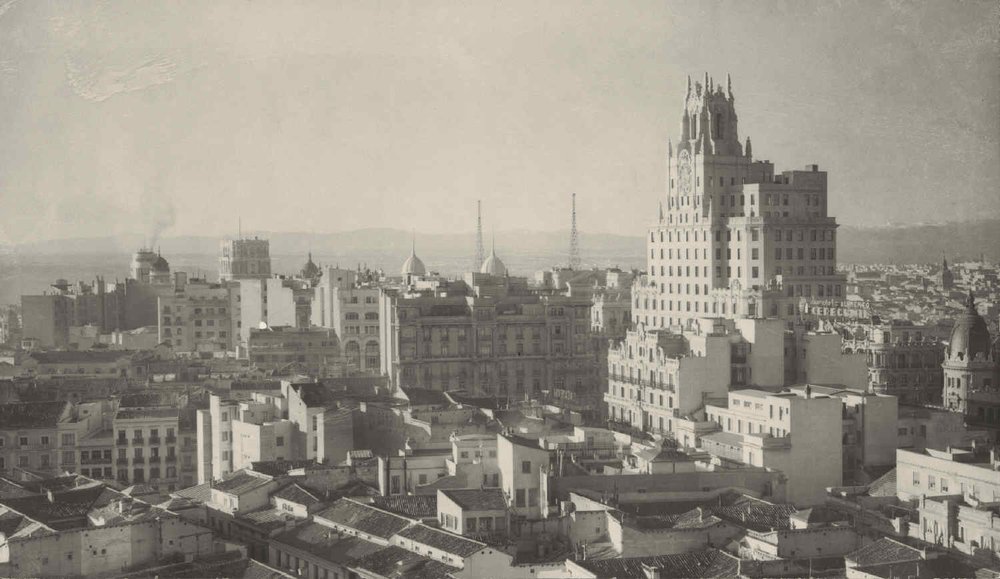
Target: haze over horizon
179,118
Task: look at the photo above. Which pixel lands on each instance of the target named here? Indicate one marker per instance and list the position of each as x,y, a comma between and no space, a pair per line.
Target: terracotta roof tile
364,518
443,540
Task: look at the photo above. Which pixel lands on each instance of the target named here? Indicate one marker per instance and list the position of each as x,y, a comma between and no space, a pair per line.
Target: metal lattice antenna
480,251
574,240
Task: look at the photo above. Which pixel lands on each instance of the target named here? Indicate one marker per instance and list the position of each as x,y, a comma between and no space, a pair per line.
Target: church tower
733,239
946,279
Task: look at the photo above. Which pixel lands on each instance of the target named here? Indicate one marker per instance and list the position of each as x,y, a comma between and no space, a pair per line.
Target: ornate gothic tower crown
709,124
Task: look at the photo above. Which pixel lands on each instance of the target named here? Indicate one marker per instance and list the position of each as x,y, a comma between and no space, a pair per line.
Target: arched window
372,356
353,352
718,126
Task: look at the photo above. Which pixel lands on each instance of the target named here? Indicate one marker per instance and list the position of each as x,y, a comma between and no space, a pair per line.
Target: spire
574,241
729,85
748,150
689,87
479,237
413,242
970,303
704,93
670,148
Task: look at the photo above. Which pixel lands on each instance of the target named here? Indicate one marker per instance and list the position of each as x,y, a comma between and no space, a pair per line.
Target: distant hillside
920,243
30,268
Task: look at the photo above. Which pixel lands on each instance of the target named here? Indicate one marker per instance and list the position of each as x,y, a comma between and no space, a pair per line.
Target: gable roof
327,543
80,356
884,486
241,482
398,562
296,494
442,540
711,563
477,499
67,509
32,414
885,550
364,518
416,506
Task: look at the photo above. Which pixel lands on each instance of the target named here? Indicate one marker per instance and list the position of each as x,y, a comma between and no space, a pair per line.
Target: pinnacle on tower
480,252
574,241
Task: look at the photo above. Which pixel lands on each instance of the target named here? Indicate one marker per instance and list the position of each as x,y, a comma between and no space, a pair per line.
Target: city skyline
132,121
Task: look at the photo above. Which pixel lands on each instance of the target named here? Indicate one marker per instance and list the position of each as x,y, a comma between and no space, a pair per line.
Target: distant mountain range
898,244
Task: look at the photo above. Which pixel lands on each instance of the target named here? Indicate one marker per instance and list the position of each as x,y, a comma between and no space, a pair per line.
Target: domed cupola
413,266
493,265
970,338
310,270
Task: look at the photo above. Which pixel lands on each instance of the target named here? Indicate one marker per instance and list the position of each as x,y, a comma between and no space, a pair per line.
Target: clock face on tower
684,172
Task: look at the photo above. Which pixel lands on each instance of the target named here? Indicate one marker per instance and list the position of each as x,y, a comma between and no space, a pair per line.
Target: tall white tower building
733,239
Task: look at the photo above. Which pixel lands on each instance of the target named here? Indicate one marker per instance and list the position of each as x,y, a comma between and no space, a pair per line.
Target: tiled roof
884,550
478,499
327,543
266,518
424,397
415,506
68,509
396,562
885,486
280,467
756,514
297,494
200,493
819,515
711,563
133,413
81,356
314,394
241,482
360,454
364,518
257,570
31,414
443,540
693,519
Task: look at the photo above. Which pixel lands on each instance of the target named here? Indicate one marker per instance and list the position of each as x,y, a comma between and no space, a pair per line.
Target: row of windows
67,439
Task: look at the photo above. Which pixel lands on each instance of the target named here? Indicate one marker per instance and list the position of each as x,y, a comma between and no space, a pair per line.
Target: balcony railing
138,460
138,440
122,461
170,439
171,458
154,440
154,459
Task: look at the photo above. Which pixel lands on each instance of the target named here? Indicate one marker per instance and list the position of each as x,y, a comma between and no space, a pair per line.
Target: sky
181,118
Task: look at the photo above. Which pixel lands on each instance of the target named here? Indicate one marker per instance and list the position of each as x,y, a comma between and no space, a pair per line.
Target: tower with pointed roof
945,277
734,239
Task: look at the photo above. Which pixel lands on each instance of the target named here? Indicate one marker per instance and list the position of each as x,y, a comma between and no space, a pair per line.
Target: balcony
170,439
122,461
154,440
138,441
138,460
187,468
154,459
171,459
121,441
95,460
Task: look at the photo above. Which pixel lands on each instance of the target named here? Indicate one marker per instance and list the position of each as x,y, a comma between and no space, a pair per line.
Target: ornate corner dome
493,265
310,270
970,337
160,265
413,265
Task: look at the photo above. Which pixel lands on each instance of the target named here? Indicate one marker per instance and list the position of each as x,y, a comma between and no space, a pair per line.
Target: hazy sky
126,117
